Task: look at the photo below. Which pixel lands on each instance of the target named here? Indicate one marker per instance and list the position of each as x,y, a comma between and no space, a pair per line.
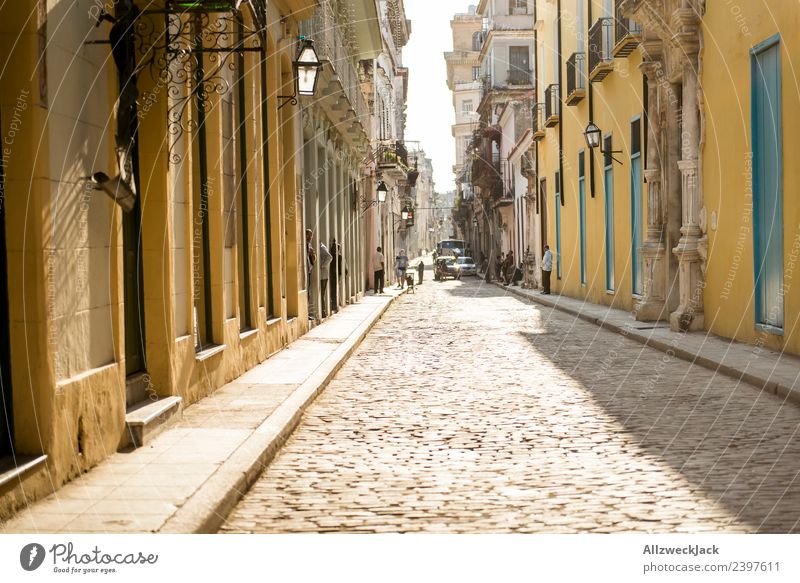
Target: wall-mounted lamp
474,221
306,72
381,191
593,135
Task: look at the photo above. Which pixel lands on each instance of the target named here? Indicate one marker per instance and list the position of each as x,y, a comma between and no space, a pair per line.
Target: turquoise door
767,185
582,210
557,201
636,209
609,190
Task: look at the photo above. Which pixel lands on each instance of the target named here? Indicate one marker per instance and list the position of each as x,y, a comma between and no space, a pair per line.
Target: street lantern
307,68
382,191
306,72
592,135
474,221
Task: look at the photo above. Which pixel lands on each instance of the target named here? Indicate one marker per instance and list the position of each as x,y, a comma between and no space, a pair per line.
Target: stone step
148,418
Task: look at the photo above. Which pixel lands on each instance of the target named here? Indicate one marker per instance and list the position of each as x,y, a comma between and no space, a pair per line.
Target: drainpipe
560,111
590,89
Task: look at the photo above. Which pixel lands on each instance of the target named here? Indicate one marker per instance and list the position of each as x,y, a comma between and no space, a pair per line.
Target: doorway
6,412
543,213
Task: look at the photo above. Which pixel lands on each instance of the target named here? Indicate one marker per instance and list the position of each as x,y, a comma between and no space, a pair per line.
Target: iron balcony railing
537,121
627,33
518,76
601,38
392,154
576,78
552,105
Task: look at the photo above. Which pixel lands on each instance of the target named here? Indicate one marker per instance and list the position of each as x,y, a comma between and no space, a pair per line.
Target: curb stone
790,393
206,510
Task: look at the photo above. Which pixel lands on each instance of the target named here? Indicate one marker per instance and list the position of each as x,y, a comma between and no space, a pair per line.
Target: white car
466,266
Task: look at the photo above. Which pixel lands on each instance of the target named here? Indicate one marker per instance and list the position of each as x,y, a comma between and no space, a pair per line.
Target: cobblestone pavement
468,410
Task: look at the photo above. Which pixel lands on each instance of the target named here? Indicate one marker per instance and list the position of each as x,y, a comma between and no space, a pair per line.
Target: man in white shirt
547,268
379,267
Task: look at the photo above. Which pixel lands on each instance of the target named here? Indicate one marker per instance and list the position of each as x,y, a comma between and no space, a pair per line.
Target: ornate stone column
689,315
652,305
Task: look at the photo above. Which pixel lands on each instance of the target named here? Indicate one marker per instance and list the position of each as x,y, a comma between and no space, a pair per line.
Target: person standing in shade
325,259
400,266
420,271
311,258
547,268
336,265
379,268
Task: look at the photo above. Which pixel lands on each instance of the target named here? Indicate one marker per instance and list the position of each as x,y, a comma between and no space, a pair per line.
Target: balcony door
519,65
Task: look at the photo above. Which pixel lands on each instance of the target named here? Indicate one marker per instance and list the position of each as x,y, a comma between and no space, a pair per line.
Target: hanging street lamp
593,134
306,72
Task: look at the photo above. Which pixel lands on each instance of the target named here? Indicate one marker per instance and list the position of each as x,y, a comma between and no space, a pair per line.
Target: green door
767,184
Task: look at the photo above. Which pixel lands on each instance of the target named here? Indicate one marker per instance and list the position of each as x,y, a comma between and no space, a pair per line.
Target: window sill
10,471
272,322
245,334
773,330
204,355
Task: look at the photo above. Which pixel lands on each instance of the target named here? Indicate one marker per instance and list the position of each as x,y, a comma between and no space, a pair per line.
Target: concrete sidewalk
767,370
192,475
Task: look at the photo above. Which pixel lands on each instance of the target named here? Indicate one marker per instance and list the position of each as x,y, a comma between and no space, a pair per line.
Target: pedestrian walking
420,271
379,269
400,266
325,259
547,268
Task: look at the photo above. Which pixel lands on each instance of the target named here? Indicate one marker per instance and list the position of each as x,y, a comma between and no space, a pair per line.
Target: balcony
576,78
627,34
517,77
505,195
392,157
537,122
552,106
329,42
601,38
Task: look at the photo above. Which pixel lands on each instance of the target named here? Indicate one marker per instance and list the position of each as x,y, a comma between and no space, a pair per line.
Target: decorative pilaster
652,305
690,312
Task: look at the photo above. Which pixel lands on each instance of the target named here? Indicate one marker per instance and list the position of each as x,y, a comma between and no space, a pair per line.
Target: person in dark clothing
517,277
336,265
420,271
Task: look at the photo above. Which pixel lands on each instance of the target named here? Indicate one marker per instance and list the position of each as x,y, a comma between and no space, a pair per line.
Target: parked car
467,266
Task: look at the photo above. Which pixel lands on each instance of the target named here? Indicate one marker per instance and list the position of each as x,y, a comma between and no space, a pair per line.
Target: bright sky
430,103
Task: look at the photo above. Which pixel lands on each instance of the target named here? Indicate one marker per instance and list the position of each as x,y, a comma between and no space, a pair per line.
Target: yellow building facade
114,314
680,213
584,198
739,207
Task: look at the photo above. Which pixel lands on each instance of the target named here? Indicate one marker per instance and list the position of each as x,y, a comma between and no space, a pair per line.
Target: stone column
689,315
652,305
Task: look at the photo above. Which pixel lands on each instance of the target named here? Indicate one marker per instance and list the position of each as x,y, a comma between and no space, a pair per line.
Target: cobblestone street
469,410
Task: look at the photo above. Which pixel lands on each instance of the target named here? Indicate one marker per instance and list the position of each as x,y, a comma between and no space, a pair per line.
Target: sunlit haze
430,105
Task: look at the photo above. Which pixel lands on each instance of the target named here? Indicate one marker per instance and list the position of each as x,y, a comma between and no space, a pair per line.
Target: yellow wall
730,31
616,101
65,248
